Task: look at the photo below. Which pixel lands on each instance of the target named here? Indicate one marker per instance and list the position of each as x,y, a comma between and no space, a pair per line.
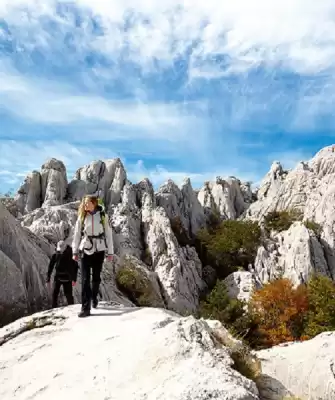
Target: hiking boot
84,313
95,303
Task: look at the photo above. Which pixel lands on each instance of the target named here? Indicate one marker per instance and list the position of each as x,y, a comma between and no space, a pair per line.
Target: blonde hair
81,210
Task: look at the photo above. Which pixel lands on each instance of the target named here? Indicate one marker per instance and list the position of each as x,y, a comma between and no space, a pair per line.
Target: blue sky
175,88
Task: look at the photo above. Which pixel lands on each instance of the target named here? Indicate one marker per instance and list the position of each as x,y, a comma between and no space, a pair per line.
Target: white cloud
220,38
45,102
297,34
20,158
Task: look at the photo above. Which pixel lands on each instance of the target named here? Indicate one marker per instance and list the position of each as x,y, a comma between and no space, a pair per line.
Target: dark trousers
92,262
67,288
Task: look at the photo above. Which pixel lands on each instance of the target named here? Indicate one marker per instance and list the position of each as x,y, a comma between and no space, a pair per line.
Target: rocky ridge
158,229
147,225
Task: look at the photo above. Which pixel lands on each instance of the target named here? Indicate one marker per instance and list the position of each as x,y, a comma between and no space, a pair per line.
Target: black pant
67,287
88,262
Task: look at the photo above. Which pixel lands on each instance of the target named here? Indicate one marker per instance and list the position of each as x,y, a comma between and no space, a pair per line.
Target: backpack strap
102,220
82,225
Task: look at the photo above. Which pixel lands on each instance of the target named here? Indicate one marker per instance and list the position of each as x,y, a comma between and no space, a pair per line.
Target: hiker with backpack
66,270
92,239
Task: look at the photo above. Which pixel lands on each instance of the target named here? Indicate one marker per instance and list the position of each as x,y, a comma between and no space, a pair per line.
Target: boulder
241,284
295,254
305,369
118,352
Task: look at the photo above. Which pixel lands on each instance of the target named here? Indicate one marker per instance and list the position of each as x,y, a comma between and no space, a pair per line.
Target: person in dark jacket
66,270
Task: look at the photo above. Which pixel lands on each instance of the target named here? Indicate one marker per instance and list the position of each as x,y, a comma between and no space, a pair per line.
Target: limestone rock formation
53,183
241,284
178,268
107,176
52,223
144,230
159,228
310,187
126,220
182,206
28,197
118,352
11,205
305,370
141,229
45,188
13,293
23,269
228,198
294,254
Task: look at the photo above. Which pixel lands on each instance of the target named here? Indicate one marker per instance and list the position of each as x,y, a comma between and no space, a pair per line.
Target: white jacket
92,227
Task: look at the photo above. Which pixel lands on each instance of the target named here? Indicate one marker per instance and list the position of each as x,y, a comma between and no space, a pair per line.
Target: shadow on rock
271,389
114,312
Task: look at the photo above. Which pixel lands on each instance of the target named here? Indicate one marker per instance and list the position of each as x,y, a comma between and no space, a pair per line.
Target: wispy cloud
298,34
41,101
190,88
19,158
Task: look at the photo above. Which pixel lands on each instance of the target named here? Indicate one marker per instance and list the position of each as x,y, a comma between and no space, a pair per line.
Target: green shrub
214,219
180,232
313,226
231,243
136,286
281,220
230,312
321,306
245,362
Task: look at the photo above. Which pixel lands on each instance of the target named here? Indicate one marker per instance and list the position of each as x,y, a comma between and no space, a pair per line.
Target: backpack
64,268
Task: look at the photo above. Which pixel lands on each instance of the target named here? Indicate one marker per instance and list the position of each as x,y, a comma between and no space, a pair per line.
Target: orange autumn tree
280,311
